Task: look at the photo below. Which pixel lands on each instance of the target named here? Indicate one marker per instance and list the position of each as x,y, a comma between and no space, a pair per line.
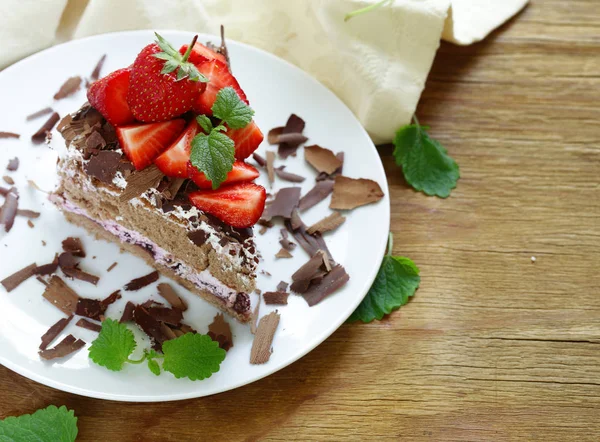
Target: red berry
142,143
246,139
239,173
201,53
219,77
109,96
239,205
173,161
153,96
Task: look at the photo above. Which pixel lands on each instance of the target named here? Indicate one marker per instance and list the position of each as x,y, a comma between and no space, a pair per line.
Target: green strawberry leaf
175,61
192,356
213,155
426,165
113,346
230,108
50,424
204,123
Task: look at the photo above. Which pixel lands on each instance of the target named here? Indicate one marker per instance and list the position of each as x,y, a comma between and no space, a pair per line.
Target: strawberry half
201,53
219,77
173,161
239,205
239,173
142,143
109,96
246,139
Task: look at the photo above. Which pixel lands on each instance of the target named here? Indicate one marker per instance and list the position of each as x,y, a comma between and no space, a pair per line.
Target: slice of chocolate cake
149,215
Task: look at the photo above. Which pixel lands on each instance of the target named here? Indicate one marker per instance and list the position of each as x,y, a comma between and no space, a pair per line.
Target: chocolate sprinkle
61,296
128,312
64,348
349,193
220,331
40,135
261,346
13,164
9,135
54,331
104,165
322,159
327,224
30,224
283,205
13,281
168,293
259,160
138,283
276,298
315,195
112,266
74,246
294,125
8,180
96,72
68,88
329,284
288,176
140,181
89,325
40,113
28,213
8,212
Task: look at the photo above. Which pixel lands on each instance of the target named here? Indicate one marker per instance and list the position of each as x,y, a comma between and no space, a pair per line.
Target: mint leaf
112,347
204,123
193,356
396,281
50,424
425,162
154,367
213,155
230,108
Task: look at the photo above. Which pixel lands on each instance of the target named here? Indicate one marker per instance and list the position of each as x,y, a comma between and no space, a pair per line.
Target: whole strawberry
163,84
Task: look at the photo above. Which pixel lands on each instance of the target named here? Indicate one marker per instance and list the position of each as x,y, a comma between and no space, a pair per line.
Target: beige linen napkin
377,63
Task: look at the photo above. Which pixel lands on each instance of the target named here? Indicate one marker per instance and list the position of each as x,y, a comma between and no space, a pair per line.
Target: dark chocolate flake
40,113
310,243
317,194
64,348
13,164
170,295
329,284
61,296
103,165
303,276
294,125
69,266
8,212
47,269
198,237
263,339
112,266
322,159
283,253
270,166
140,181
68,88
138,283
128,312
4,134
276,298
153,328
74,246
262,162
282,286
171,316
327,224
40,135
288,176
54,331
283,205
96,72
28,213
349,193
220,331
89,325
13,281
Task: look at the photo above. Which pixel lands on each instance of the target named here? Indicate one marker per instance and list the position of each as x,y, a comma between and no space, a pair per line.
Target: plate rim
328,331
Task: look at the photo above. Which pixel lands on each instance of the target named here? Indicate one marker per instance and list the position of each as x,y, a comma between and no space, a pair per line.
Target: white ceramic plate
275,89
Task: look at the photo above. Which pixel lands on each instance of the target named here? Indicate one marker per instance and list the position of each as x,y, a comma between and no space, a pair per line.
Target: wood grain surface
493,346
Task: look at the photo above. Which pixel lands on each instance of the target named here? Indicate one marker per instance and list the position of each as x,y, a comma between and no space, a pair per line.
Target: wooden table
493,346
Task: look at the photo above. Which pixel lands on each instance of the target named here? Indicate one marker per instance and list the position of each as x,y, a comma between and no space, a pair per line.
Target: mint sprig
50,424
397,280
191,355
426,165
213,152
175,61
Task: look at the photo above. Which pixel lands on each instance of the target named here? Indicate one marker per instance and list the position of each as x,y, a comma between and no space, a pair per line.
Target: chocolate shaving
70,268
69,87
104,165
254,316
277,136
349,193
223,49
8,180
322,159
294,125
138,283
276,298
40,113
89,325
270,169
74,246
317,194
47,269
283,253
168,293
173,187
288,176
93,143
8,211
96,72
310,243
64,348
282,286
90,308
13,281
326,176
171,316
13,164
9,135
40,135
295,221
153,328
329,284
263,339
198,237
285,202
140,181
112,266
220,331
61,296
28,213
54,331
259,160
111,299
274,134
30,224
42,280
302,277
128,312
285,242
327,224
36,187
185,328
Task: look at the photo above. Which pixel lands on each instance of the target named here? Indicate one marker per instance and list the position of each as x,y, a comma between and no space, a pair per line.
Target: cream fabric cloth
377,63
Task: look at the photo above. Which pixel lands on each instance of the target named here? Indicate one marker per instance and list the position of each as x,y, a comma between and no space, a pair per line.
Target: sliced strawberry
201,53
239,173
219,77
173,161
246,140
239,205
109,96
144,142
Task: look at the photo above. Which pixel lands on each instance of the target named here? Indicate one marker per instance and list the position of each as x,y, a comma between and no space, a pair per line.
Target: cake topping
331,176
285,201
89,325
13,164
322,159
283,253
270,166
68,88
288,176
96,72
349,193
259,160
276,298
70,267
74,246
47,269
54,331
112,266
64,348
285,242
310,243
103,165
128,312
167,292
138,283
263,339
140,181
315,195
282,286
327,224
61,296
42,132
294,125
8,211
151,327
13,281
220,331
172,316
9,135
331,282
